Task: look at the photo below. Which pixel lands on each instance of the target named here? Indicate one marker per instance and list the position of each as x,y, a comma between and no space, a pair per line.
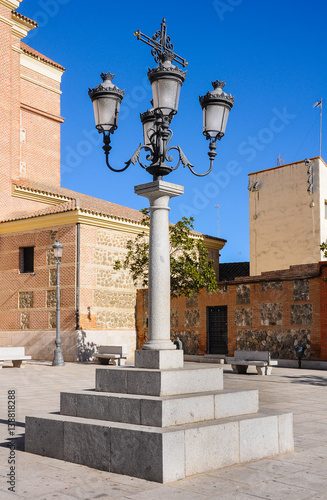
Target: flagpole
319,103
320,127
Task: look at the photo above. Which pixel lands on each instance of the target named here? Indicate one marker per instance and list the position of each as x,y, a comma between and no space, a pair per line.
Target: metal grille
217,330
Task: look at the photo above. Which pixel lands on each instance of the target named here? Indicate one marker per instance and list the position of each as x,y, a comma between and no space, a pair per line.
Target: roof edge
287,165
26,49
26,20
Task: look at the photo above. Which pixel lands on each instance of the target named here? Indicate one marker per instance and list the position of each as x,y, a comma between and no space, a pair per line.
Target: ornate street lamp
58,359
166,80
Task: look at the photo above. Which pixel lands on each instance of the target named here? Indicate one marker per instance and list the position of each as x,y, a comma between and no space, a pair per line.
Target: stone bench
14,354
260,359
109,354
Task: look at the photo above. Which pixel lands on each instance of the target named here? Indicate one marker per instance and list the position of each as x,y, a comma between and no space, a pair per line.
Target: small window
26,259
325,209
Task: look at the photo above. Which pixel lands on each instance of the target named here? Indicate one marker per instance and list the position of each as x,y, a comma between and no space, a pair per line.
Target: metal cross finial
162,48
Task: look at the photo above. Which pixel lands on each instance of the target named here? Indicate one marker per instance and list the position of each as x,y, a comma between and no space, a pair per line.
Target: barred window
26,259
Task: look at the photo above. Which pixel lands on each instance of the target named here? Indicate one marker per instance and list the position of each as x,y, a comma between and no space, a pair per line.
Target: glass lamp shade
216,106
215,120
166,81
106,99
148,122
57,250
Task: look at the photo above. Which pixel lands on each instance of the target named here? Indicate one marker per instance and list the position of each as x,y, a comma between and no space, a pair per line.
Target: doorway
217,333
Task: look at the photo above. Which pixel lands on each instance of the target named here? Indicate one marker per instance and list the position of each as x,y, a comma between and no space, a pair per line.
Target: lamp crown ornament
217,92
106,86
217,84
166,80
107,76
162,68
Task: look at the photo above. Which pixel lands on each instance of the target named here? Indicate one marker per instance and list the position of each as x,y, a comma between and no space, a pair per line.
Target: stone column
158,193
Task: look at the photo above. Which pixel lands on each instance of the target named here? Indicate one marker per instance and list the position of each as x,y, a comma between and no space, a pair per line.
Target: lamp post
58,359
166,80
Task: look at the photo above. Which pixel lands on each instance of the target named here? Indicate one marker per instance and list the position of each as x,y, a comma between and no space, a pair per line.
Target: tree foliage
323,248
190,268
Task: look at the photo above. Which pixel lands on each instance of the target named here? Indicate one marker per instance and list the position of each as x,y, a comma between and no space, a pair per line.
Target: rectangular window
26,259
325,209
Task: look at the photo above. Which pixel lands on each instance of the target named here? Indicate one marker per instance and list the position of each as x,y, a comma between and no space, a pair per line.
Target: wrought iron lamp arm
106,148
182,158
134,158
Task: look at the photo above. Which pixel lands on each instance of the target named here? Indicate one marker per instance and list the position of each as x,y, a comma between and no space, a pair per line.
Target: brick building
279,301
275,311
97,303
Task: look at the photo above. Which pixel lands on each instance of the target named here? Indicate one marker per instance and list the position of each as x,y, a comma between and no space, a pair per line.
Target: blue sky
272,55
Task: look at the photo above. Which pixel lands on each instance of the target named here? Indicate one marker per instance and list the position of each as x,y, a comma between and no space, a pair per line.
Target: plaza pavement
296,476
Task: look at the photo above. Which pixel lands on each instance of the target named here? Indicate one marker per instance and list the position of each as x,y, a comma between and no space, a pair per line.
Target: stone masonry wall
275,312
108,297
185,321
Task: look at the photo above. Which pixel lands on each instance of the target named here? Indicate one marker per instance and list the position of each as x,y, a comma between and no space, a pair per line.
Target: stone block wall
279,342
185,321
275,312
107,297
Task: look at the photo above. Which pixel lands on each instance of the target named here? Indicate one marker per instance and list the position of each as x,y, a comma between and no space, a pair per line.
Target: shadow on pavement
308,380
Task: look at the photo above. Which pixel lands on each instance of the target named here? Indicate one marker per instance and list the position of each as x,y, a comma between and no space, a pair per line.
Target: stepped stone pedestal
159,420
159,424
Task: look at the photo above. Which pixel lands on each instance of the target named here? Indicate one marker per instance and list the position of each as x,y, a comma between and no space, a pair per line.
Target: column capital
155,189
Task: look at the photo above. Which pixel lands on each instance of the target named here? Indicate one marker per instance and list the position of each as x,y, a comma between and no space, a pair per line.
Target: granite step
160,454
158,411
151,382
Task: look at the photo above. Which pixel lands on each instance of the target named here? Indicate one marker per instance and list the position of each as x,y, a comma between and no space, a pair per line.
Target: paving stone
38,391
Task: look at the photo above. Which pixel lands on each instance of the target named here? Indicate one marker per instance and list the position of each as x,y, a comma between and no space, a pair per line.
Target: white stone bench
109,354
14,354
260,359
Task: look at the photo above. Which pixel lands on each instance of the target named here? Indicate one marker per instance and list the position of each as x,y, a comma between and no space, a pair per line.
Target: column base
158,345
159,359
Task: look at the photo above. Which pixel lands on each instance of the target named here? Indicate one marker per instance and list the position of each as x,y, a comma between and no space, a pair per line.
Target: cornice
90,219
213,244
24,21
108,222
40,66
5,20
69,218
39,196
10,4
43,85
17,49
19,27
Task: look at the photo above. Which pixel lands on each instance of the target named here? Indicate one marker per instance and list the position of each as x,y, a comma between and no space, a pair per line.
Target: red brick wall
41,152
292,312
9,106
13,283
39,97
323,312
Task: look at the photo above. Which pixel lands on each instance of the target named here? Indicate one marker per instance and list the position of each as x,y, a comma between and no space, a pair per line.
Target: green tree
190,268
323,248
